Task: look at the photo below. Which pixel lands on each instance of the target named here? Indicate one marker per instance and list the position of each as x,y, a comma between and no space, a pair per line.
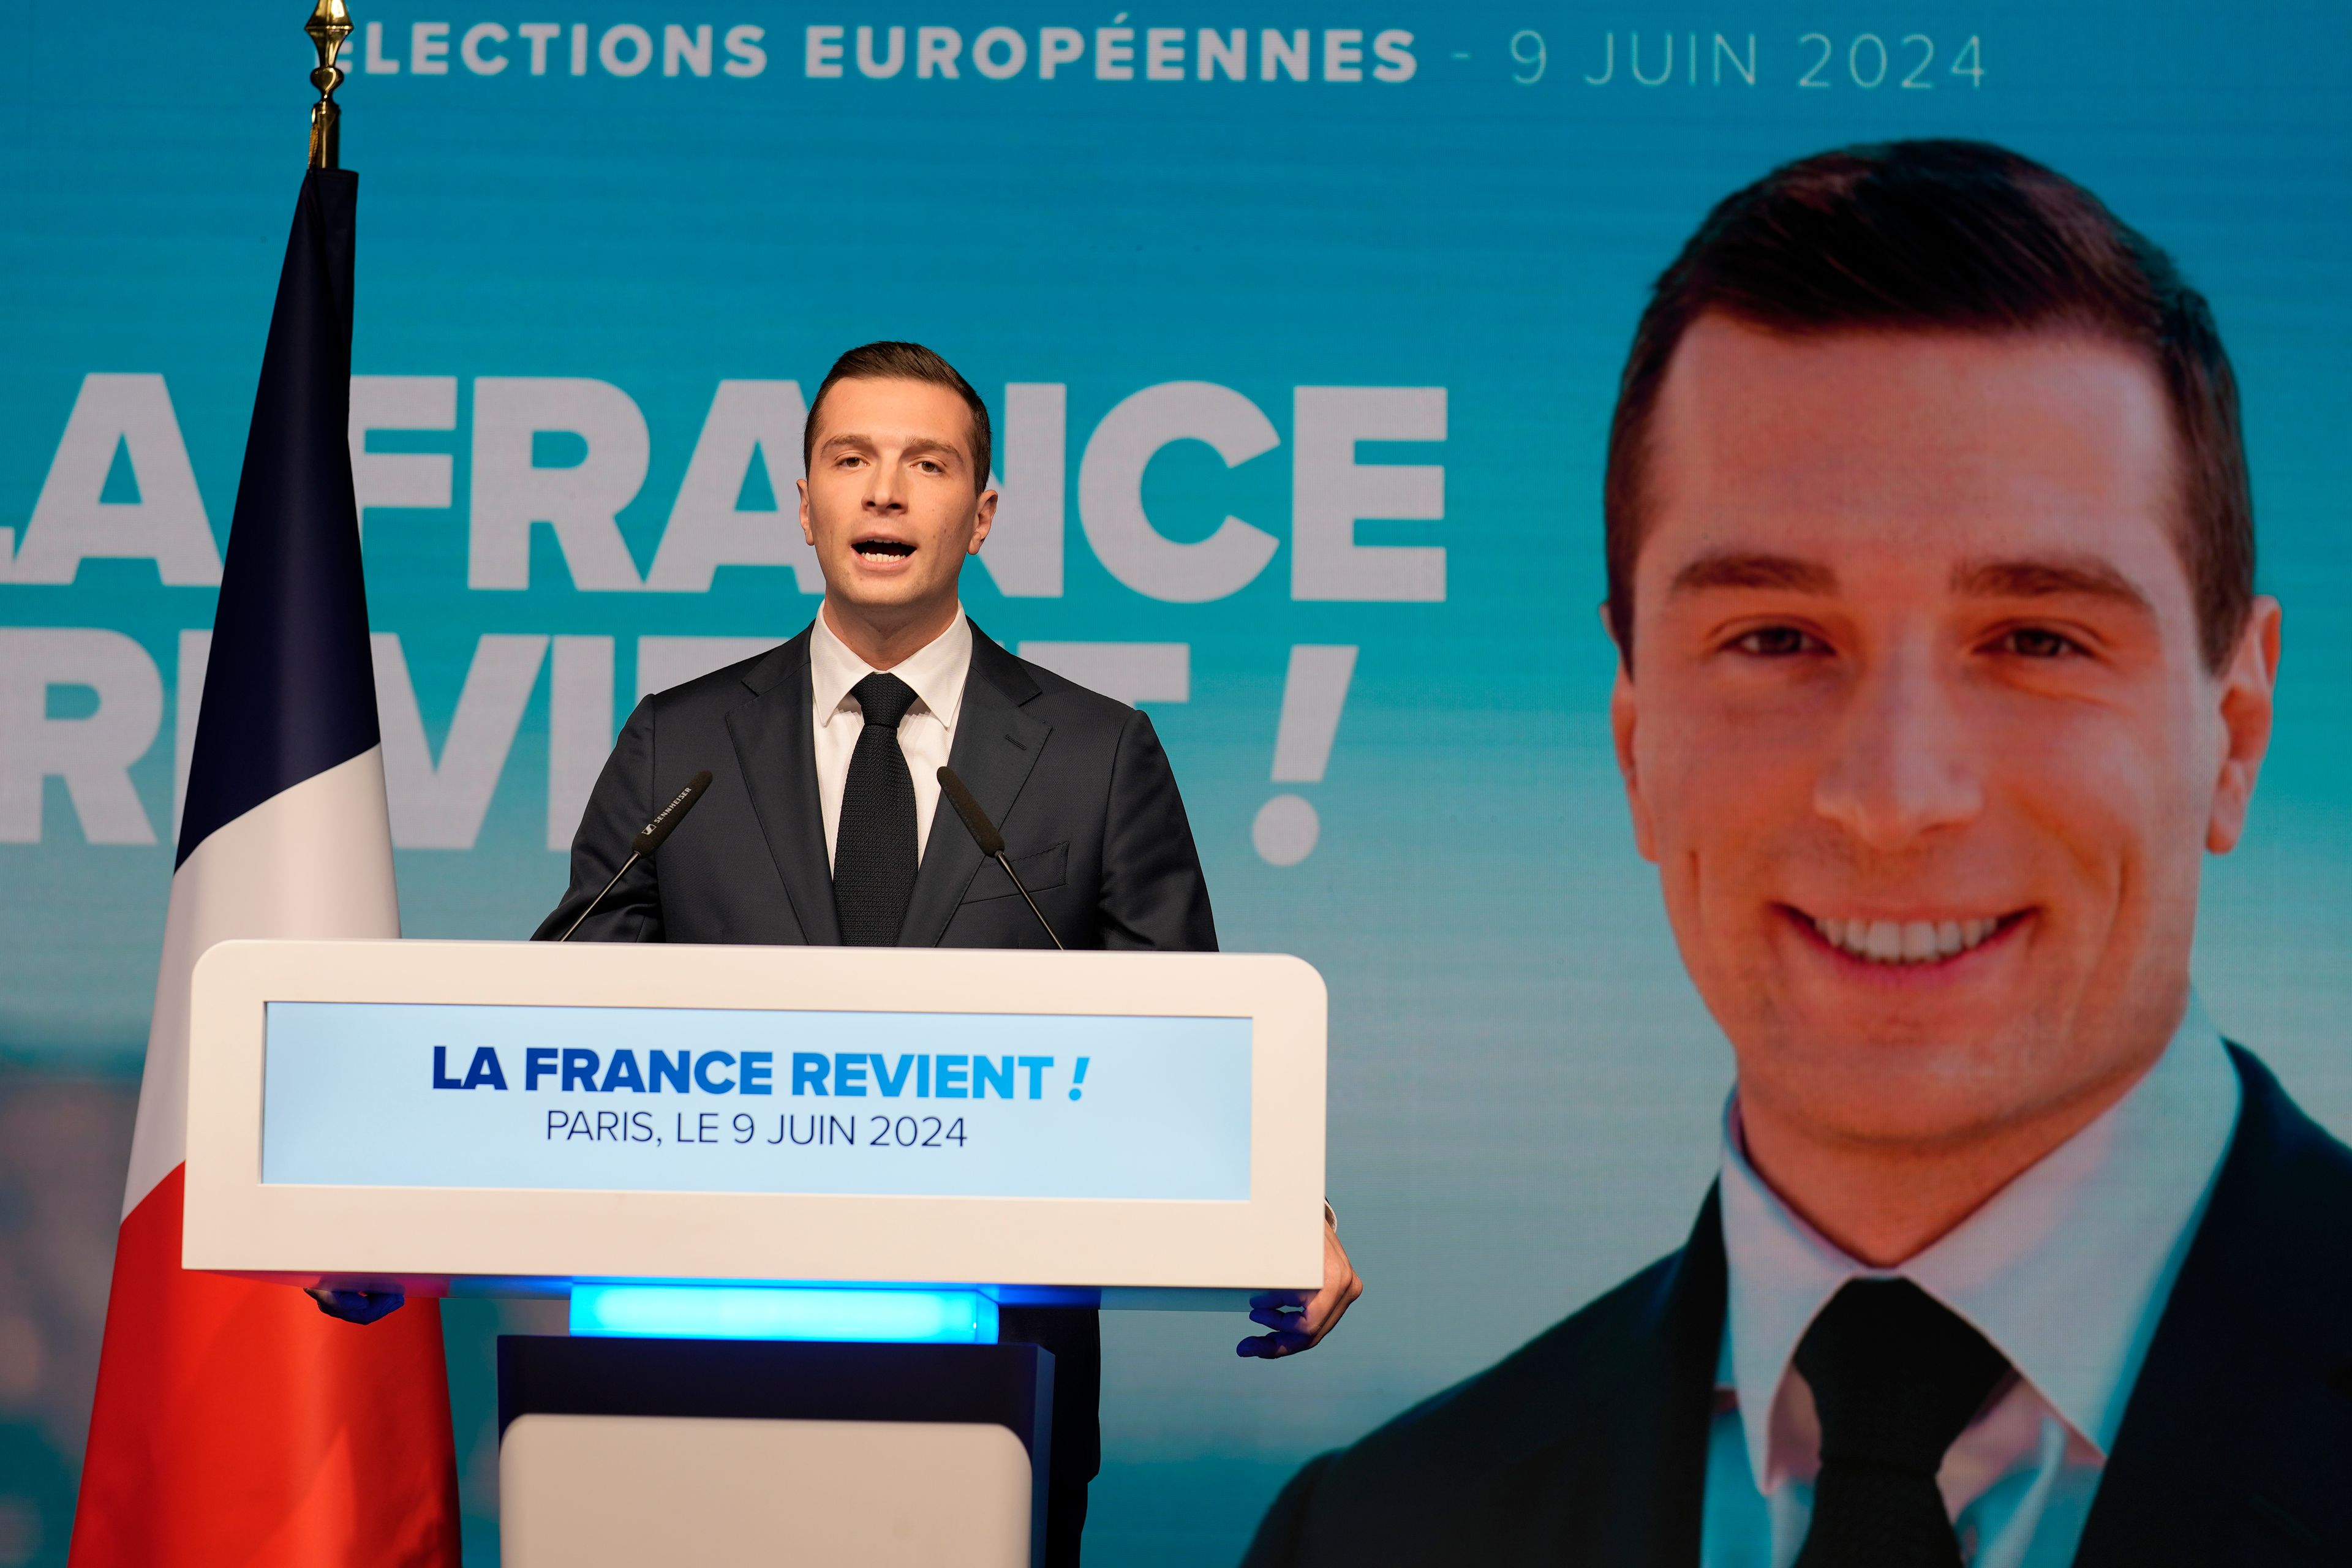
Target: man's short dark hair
893,361
1945,235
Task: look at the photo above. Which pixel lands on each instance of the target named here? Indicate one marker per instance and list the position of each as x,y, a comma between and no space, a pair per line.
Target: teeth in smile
1905,941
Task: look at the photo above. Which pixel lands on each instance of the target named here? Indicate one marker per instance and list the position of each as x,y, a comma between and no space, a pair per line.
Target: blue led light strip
768,1312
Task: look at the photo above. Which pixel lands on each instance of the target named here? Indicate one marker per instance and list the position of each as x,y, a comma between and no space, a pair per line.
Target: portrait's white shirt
2065,1271
926,734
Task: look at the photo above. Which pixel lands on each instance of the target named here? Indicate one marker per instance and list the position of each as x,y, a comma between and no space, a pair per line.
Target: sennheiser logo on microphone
649,838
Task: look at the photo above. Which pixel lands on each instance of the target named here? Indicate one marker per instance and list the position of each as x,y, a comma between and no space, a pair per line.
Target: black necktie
874,844
1897,1377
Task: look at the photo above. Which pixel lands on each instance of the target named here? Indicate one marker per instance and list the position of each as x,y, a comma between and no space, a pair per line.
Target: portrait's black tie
1897,1377
874,847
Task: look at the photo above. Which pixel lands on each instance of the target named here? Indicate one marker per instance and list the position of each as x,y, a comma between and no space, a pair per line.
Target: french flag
234,1424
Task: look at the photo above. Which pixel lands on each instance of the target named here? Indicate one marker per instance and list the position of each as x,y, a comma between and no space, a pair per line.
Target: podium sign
699,1099
431,1112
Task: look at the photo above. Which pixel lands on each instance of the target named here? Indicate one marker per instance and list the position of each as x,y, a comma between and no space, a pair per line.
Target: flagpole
329,25
232,1423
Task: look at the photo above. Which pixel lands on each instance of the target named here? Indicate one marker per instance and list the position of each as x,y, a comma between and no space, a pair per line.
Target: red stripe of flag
237,1427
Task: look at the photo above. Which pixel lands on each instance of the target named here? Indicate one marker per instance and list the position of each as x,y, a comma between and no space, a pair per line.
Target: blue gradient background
1524,1088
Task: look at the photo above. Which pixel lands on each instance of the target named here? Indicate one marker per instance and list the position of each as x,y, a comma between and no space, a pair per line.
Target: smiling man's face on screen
1917,729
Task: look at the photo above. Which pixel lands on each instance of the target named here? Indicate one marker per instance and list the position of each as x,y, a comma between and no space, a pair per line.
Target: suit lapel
2237,1441
1606,1468
996,746
1663,1442
776,748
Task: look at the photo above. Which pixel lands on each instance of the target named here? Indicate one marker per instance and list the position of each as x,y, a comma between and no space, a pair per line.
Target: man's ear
984,519
2247,697
807,532
1624,722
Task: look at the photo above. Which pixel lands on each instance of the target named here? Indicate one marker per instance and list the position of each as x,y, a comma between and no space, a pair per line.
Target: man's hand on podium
357,1306
1300,1320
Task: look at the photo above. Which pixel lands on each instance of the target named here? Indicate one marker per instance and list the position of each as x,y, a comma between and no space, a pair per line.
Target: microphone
992,843
648,839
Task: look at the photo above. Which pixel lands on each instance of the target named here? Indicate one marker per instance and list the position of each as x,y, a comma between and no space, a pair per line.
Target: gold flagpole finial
329,25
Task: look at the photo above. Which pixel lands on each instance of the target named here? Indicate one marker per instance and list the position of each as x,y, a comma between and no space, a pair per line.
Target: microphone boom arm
648,839
1030,901
992,843
590,907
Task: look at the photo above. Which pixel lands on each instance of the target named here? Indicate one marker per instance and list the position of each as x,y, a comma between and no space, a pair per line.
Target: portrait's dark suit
1588,1445
1077,785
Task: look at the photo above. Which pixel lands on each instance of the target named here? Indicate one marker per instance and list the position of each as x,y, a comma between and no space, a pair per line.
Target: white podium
787,1190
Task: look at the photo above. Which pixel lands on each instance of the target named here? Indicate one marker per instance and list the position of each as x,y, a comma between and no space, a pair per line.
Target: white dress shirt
2065,1271
926,734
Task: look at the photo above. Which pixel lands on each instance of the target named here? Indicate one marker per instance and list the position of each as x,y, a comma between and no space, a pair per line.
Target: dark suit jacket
1588,1445
1076,783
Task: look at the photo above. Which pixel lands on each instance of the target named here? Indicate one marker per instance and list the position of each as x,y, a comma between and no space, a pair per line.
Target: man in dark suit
823,821
1927,515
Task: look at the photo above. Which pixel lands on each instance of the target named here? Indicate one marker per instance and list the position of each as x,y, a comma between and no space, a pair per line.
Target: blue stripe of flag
289,691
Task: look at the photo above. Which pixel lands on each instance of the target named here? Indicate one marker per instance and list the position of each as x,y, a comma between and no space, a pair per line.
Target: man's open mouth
883,549
1907,941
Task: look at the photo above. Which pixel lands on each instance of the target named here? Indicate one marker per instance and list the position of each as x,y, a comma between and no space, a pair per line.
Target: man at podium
822,823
